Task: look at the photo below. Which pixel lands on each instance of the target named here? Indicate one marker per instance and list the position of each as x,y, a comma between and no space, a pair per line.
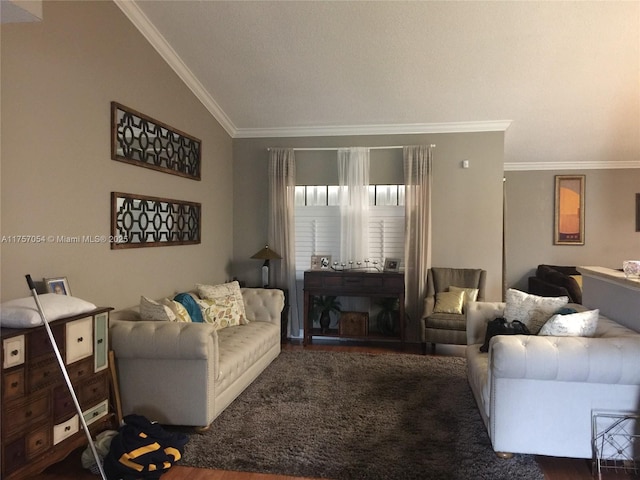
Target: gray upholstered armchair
448,289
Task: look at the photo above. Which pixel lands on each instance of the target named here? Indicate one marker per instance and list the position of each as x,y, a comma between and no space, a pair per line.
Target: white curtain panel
353,180
417,256
281,235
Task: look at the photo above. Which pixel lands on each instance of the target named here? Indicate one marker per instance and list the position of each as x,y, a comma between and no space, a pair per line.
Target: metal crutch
32,287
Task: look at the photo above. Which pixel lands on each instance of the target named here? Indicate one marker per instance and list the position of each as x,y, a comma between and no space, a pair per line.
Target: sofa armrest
263,304
163,340
612,360
478,314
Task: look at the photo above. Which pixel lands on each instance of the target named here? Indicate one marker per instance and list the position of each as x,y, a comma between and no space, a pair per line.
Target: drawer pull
28,413
14,352
67,428
95,414
80,373
38,443
100,341
80,339
14,384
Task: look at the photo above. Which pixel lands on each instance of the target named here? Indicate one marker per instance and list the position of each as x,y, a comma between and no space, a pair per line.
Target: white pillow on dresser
23,312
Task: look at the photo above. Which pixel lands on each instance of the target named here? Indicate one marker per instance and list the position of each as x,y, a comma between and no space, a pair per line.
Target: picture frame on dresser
59,285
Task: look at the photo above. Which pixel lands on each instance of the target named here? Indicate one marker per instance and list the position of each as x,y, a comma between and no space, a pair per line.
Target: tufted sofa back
263,304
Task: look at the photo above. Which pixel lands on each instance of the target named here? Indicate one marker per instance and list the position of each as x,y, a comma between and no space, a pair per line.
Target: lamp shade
266,254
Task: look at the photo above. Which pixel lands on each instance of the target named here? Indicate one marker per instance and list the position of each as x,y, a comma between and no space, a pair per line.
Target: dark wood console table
351,284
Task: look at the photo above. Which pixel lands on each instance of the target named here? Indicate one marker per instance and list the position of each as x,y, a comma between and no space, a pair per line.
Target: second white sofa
536,394
188,373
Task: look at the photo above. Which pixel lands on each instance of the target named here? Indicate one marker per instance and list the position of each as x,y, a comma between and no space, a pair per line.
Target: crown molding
528,166
155,38
397,129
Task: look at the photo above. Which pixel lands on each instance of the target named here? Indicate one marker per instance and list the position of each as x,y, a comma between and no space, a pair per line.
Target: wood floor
553,468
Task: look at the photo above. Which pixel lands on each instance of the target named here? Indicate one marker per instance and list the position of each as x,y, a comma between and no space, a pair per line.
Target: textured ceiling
563,76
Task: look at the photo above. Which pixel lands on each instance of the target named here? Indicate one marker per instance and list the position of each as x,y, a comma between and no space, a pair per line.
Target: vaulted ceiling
562,78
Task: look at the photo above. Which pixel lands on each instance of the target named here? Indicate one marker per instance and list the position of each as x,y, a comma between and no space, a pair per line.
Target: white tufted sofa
188,373
536,394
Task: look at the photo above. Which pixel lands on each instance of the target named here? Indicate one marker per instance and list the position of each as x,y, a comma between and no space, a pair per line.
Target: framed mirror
140,140
143,221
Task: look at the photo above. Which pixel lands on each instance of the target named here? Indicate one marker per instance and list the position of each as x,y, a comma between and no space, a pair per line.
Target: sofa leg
201,430
433,349
504,455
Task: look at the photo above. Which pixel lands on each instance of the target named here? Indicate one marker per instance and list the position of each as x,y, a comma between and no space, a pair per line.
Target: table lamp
266,254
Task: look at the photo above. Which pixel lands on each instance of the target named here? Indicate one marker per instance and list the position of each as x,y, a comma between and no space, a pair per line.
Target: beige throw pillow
448,302
470,294
152,310
220,312
178,310
531,310
581,324
229,295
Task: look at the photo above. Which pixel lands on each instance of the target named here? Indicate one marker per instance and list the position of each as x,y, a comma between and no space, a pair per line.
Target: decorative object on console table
323,307
348,283
267,255
391,264
631,268
354,324
320,262
387,317
39,423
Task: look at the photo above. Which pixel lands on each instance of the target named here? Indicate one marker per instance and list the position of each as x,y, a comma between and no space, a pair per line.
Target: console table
351,284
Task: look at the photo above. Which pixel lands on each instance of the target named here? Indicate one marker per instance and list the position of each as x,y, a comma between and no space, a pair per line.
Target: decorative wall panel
140,140
143,221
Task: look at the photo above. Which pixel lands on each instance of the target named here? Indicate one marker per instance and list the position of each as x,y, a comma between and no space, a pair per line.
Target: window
317,224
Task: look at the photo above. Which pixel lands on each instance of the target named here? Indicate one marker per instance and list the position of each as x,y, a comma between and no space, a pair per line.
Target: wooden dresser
39,422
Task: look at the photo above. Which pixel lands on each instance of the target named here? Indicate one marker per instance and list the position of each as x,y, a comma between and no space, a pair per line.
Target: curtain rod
318,149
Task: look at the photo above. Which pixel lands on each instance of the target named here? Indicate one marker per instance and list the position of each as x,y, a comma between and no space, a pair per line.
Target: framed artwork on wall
140,140
569,210
637,212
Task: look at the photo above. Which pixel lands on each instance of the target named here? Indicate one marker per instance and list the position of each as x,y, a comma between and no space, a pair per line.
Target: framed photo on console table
320,262
569,210
391,264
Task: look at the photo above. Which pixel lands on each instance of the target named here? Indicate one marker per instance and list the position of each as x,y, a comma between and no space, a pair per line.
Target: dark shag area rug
350,416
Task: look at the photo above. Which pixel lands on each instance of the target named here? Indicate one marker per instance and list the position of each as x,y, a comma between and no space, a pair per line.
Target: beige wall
467,203
58,79
610,235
